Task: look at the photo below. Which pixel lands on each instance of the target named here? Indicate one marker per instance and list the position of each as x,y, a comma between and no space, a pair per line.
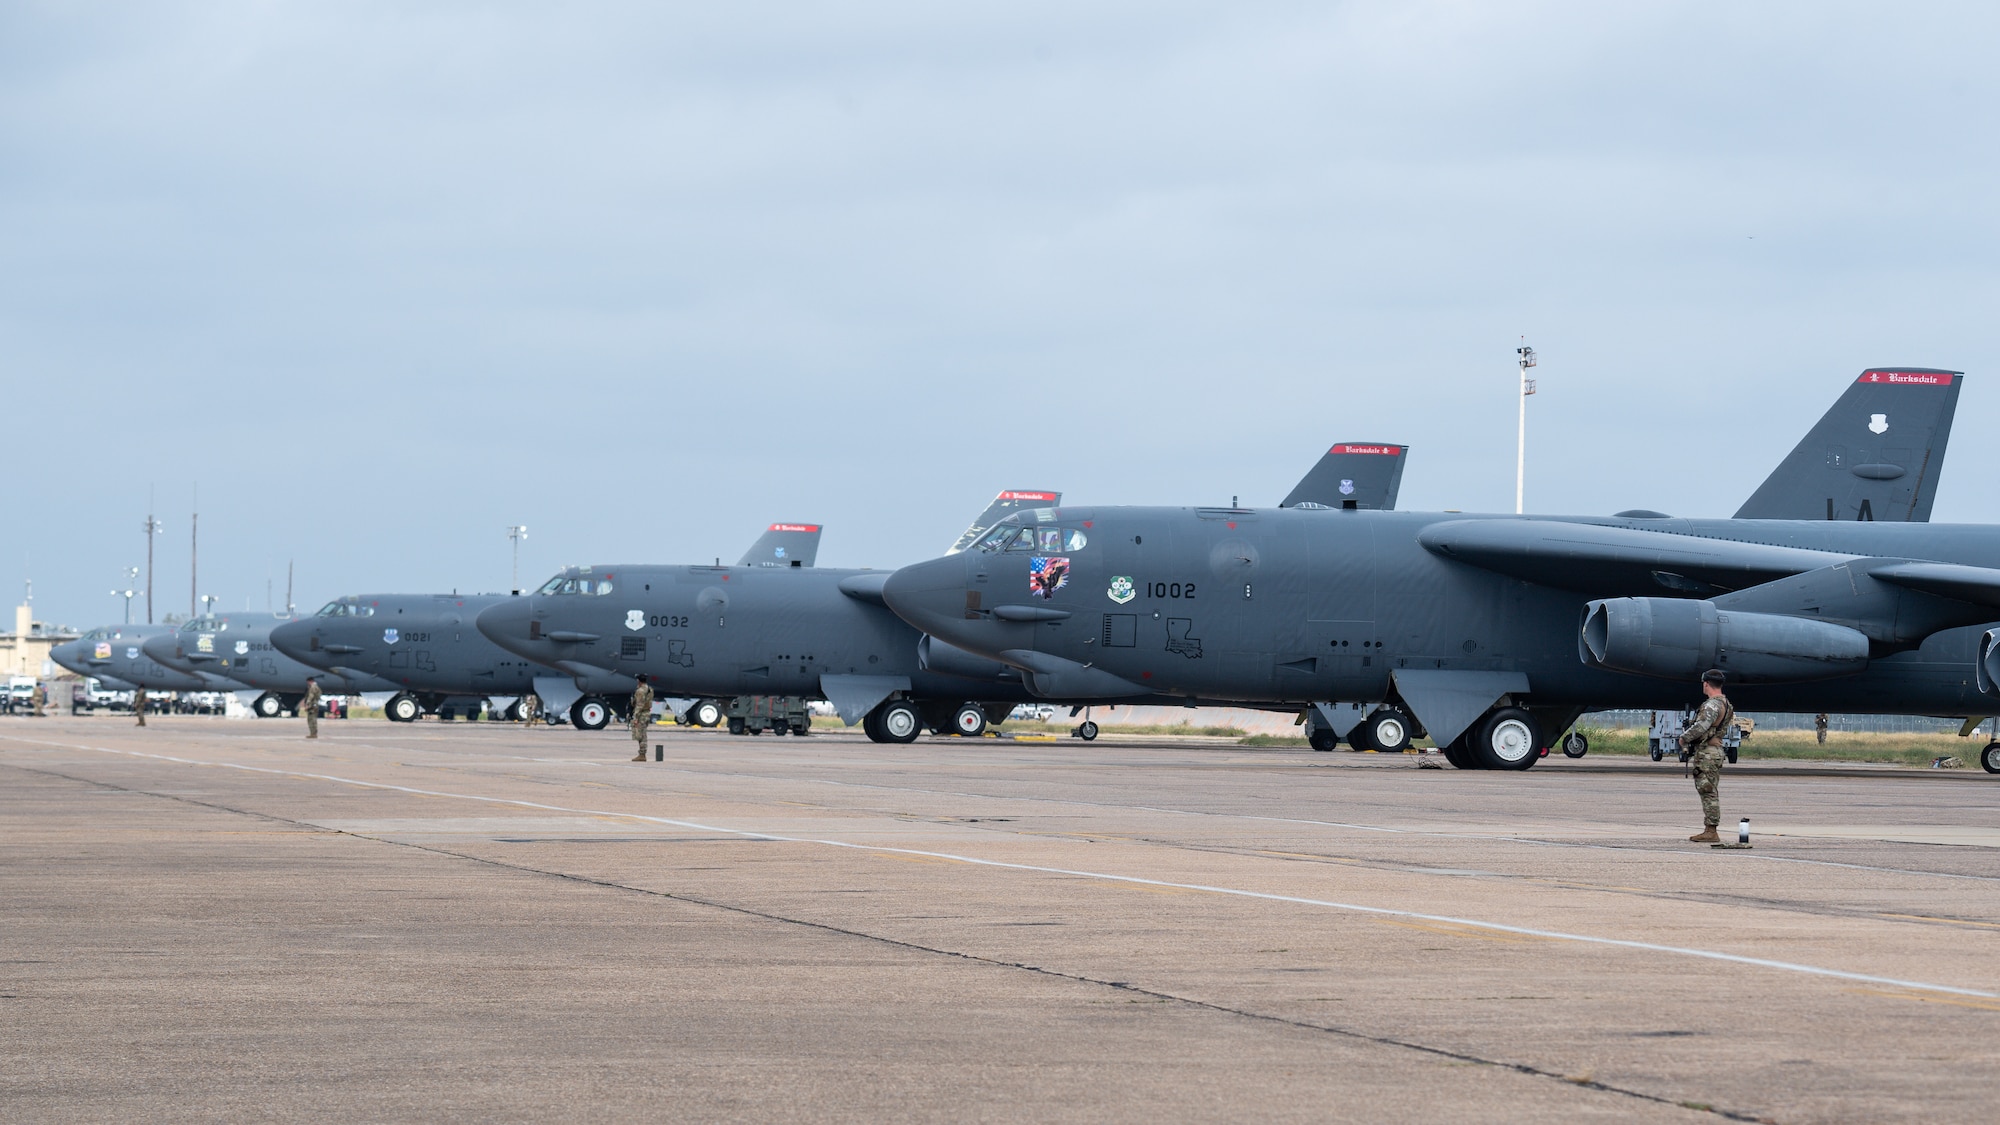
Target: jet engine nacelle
1987,668
934,655
1678,639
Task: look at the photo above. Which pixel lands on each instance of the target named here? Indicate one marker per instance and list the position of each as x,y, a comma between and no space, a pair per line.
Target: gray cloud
385,279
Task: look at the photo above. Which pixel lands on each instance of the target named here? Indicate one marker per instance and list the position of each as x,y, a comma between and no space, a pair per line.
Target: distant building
25,651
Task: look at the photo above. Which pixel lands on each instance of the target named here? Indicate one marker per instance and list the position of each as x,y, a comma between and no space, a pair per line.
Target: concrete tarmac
214,919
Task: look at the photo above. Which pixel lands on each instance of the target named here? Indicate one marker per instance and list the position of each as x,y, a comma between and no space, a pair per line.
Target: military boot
641,756
1707,836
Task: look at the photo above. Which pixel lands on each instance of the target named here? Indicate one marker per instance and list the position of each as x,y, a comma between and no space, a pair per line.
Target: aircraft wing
784,544
1352,475
1617,561
1875,455
1004,505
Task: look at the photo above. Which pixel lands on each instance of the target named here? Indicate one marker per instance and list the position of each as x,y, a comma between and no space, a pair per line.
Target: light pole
517,532
1527,355
129,592
208,603
153,530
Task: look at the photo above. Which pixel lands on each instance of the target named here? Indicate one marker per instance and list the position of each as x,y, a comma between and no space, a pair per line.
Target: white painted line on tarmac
1132,880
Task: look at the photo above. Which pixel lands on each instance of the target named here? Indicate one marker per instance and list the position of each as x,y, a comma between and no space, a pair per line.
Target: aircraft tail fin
1352,474
1875,456
784,544
1003,505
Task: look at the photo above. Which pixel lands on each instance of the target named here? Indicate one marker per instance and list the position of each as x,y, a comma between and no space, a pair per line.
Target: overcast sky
382,279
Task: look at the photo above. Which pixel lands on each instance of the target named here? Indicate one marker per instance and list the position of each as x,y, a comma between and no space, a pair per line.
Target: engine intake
1680,639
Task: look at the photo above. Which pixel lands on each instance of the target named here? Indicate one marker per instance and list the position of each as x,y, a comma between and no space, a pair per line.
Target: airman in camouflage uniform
642,716
309,707
531,710
41,697
1702,743
139,705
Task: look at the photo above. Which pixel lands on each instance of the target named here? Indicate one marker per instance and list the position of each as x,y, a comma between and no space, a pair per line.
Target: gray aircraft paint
425,644
707,631
1876,455
784,544
118,652
1289,607
1352,474
237,646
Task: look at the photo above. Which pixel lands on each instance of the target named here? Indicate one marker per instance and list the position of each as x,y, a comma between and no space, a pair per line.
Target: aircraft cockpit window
1048,538
552,586
332,609
1023,541
1074,540
996,538
95,635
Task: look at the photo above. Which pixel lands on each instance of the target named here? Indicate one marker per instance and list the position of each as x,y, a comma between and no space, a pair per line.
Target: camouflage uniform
531,709
139,705
1704,738
642,716
1819,727
41,696
309,707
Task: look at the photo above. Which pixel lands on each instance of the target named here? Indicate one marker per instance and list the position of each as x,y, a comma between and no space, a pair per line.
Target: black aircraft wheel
589,713
513,712
738,726
267,706
1087,731
402,709
1508,740
969,721
1990,757
1576,745
898,721
869,728
705,713
1459,753
1322,738
1388,731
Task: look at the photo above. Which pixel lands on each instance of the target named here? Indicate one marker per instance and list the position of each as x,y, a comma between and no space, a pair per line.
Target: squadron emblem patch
635,620
390,636
1121,590
1347,488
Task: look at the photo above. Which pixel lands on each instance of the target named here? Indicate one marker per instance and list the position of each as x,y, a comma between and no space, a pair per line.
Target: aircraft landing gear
1508,740
267,706
894,721
1576,745
403,708
1322,738
589,713
1990,757
705,713
1087,731
969,721
1386,731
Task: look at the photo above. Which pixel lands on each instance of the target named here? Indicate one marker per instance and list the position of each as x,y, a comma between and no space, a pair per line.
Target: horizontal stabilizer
784,544
1875,456
1352,475
1004,505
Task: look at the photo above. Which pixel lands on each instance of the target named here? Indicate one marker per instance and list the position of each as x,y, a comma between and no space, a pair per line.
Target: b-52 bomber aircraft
115,655
795,631
714,633
1495,632
237,646
439,663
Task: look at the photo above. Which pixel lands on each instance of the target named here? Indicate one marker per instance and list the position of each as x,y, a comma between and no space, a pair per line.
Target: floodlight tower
517,532
129,592
1527,360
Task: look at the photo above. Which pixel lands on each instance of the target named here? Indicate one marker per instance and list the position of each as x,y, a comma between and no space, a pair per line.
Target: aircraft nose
293,638
931,596
69,655
160,648
506,624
